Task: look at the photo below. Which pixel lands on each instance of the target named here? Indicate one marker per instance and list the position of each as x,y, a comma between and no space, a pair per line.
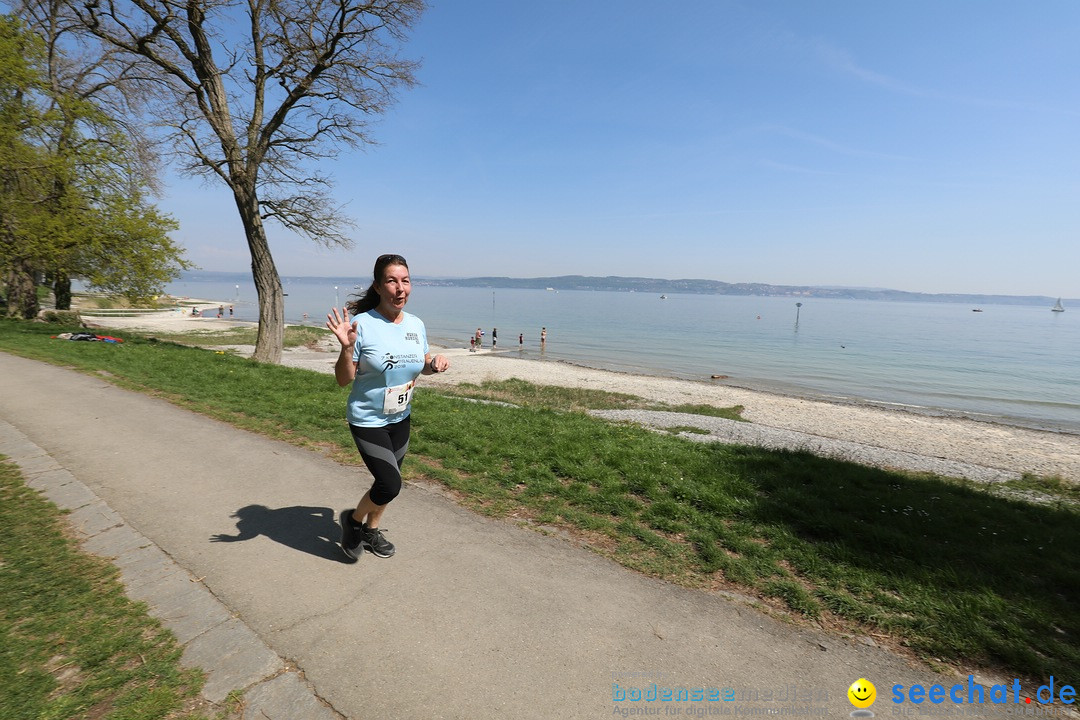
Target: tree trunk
62,291
22,293
271,335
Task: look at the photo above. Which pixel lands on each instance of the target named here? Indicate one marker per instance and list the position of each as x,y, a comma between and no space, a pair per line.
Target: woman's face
395,286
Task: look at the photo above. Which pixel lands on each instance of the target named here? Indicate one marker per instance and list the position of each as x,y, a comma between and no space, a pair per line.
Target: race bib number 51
397,398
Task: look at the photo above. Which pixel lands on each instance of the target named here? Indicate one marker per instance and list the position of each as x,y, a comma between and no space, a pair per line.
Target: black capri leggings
383,449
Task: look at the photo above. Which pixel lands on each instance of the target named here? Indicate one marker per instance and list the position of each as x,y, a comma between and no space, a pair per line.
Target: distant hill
661,286
715,287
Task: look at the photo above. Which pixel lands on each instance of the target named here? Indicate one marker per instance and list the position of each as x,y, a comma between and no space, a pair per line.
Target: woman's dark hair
369,299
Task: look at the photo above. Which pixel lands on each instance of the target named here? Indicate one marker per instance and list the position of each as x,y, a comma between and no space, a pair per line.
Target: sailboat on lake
1057,307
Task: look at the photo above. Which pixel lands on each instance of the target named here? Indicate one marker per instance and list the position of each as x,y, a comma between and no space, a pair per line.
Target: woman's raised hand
343,330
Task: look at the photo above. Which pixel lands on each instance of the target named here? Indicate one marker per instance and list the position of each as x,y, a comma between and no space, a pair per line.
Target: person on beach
543,336
383,350
494,337
479,338
521,340
230,311
221,311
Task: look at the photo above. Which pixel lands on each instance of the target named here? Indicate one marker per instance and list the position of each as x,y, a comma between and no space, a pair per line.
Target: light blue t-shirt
390,355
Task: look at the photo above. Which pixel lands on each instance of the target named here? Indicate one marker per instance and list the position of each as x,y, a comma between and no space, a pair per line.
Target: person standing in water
383,350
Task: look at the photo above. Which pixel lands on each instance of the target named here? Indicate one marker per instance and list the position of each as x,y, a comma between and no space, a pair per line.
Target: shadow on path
308,529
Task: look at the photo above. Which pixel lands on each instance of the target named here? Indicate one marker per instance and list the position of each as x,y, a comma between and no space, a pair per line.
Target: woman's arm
434,364
344,368
345,332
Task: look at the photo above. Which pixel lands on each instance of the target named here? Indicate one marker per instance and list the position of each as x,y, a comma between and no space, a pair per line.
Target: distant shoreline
677,286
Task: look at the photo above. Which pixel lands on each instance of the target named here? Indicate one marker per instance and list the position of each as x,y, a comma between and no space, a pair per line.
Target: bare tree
254,92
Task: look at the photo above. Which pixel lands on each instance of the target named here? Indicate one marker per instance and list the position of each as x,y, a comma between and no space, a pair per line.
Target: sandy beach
1000,447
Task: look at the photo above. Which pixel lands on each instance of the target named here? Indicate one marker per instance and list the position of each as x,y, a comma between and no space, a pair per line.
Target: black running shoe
373,541
350,535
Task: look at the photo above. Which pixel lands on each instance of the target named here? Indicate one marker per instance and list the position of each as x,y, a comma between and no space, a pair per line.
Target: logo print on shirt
389,361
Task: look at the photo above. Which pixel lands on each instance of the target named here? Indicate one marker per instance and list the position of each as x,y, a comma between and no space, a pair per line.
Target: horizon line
860,288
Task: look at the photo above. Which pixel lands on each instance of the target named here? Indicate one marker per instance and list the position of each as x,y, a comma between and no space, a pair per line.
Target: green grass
71,644
524,394
731,413
295,336
676,429
1052,487
940,566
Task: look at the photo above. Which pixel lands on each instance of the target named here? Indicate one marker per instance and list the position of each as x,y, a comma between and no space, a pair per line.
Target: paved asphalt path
231,539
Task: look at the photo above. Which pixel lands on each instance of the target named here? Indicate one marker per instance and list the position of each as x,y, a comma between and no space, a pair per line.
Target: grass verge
942,567
72,645
525,394
295,336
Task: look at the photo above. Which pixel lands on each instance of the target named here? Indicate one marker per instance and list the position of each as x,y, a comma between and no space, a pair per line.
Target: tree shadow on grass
312,530
996,578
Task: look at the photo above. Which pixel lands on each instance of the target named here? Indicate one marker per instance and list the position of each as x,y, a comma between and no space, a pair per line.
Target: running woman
383,350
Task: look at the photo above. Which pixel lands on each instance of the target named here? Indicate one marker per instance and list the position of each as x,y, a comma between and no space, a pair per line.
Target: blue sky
924,146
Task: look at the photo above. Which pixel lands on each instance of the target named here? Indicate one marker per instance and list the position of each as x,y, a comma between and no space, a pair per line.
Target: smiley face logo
862,693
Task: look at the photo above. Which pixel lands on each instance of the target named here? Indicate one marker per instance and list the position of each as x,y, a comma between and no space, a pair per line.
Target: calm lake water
1017,364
